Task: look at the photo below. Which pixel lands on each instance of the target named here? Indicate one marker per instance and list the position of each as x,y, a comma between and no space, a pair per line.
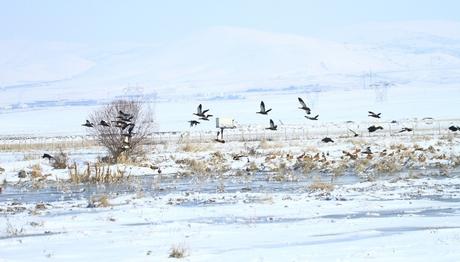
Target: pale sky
93,21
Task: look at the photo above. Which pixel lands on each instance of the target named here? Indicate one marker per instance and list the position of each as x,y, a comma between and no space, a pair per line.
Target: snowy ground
295,200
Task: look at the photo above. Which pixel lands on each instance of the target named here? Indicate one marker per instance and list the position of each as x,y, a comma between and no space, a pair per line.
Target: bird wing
271,123
198,109
371,113
262,106
302,102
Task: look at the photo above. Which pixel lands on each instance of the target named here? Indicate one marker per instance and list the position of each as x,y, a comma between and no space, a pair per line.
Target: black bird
47,156
200,112
354,133
193,123
327,140
262,109
206,117
130,129
123,114
272,125
454,128
126,119
405,129
312,118
88,124
304,106
367,151
130,125
103,123
374,128
372,114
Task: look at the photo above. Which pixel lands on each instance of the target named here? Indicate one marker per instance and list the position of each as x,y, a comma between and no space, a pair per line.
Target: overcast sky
92,21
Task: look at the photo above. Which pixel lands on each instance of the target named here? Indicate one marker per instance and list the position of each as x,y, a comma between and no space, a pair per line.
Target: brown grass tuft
321,186
178,251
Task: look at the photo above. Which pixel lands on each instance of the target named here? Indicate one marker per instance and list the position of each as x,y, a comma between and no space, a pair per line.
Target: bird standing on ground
374,115
327,140
263,111
312,118
304,106
88,124
272,125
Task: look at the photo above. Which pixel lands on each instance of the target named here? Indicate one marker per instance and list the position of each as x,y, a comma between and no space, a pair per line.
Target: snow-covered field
295,200
261,196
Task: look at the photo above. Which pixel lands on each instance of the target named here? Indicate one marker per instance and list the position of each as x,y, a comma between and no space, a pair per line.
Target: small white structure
225,123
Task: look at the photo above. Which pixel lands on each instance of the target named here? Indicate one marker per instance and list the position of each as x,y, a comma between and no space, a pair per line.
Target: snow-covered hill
229,63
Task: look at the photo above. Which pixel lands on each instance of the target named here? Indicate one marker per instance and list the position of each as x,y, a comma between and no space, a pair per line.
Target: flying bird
104,123
405,129
88,124
263,111
374,128
47,156
454,128
304,106
126,119
312,118
193,123
327,140
272,125
354,133
123,114
130,129
372,114
206,117
200,112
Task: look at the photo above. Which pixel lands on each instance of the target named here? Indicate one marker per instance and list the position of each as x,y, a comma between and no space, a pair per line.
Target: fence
427,127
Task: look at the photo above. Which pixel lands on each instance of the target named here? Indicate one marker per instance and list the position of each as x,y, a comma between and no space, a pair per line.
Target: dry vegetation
178,251
97,173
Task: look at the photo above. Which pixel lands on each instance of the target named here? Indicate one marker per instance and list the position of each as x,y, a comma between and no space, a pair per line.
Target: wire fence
425,127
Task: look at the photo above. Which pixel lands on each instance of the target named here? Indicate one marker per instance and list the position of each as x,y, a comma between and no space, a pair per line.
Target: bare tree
122,127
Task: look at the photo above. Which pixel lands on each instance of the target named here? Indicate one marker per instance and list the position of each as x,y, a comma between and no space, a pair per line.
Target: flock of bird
307,110
123,121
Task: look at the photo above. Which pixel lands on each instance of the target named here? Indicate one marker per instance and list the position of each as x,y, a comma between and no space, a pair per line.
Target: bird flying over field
193,123
304,106
88,124
263,111
200,112
312,118
374,115
272,125
374,128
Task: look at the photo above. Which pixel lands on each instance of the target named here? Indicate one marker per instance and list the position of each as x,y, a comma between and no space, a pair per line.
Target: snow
276,213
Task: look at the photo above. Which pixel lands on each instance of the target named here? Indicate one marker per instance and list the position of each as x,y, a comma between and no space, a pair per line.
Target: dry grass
321,186
178,251
388,166
194,165
97,173
34,145
60,160
195,147
99,201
